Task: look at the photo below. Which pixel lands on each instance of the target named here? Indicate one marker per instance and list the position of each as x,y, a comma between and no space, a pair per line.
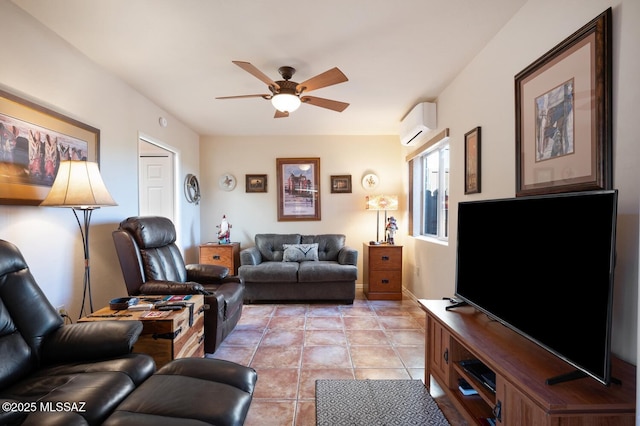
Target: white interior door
157,177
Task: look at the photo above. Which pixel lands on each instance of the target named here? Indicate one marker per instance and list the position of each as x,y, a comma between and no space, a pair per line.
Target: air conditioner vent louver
420,121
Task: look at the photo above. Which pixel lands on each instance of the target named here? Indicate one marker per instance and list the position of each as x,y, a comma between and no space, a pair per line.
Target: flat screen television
543,266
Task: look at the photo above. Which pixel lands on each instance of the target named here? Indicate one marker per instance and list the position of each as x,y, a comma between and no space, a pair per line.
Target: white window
430,191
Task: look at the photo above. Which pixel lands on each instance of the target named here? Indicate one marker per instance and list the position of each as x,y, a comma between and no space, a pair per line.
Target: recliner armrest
90,340
348,256
171,287
250,256
206,274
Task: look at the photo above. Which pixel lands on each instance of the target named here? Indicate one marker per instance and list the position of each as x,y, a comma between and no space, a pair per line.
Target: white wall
253,213
483,95
46,70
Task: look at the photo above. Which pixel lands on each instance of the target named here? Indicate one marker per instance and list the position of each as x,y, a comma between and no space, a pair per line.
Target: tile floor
292,345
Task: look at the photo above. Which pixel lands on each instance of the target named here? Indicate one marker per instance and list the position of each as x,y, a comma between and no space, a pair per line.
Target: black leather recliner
44,361
84,374
152,264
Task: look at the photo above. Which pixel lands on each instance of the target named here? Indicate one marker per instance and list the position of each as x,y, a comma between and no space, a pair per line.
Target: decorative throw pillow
300,252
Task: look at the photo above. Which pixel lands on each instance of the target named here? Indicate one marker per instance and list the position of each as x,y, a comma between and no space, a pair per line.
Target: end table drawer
385,281
385,258
215,256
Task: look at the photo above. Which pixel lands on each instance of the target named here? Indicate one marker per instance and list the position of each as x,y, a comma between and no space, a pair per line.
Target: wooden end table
221,254
166,335
382,267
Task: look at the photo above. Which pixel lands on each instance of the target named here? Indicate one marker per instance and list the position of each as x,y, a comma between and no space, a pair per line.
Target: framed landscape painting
563,115
33,141
255,183
298,188
341,184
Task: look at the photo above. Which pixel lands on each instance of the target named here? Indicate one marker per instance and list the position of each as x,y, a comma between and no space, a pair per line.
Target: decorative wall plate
370,181
227,182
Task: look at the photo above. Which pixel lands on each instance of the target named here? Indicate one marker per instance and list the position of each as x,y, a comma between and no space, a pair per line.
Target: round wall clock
227,182
370,181
192,189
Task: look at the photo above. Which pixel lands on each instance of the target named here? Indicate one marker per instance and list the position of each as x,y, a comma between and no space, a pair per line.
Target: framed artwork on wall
472,161
255,183
33,141
341,184
563,115
298,188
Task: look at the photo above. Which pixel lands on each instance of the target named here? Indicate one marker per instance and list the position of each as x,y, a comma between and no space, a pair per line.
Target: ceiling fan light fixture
285,102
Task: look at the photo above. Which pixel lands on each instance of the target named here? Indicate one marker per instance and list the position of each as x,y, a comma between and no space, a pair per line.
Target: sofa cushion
271,272
300,252
271,245
324,271
329,245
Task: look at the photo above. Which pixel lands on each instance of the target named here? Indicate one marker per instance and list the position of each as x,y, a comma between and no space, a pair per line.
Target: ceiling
178,54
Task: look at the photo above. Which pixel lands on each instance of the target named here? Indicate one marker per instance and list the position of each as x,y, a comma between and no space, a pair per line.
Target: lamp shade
285,102
382,202
78,184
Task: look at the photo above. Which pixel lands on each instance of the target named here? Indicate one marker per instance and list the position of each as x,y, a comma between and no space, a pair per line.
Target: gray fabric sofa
294,267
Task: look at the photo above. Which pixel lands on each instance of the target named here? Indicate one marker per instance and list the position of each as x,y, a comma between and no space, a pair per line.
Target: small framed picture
256,183
472,161
341,184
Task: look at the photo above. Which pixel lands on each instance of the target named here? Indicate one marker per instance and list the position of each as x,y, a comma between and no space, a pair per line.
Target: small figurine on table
392,227
224,235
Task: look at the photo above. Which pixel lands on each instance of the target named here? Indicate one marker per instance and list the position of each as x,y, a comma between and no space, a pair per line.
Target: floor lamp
381,202
79,186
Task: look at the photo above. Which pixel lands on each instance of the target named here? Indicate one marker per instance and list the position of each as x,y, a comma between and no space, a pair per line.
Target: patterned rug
375,403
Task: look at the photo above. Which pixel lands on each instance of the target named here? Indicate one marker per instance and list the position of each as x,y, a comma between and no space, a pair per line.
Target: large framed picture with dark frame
563,115
298,188
33,141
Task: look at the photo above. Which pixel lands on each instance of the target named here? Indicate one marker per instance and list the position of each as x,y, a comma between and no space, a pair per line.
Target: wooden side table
178,334
221,254
382,271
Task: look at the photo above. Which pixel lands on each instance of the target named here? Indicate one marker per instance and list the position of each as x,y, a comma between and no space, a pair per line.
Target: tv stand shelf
521,368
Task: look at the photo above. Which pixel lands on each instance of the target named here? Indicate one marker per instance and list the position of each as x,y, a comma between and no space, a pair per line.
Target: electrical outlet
62,311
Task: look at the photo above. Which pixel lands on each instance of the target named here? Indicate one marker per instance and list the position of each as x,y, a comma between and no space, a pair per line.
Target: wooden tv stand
521,368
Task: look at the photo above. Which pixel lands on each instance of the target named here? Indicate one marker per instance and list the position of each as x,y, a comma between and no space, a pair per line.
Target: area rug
375,403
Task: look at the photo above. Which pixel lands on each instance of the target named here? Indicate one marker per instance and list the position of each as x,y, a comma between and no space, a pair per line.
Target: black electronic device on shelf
480,372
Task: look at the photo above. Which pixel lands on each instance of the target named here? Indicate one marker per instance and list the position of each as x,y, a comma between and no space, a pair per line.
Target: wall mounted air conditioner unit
418,123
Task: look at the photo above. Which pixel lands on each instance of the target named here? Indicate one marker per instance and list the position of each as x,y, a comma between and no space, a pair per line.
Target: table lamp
378,203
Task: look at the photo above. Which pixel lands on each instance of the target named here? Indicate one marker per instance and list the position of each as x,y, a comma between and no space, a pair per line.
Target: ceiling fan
286,96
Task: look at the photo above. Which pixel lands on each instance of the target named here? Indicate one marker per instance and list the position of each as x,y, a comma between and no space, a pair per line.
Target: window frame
416,162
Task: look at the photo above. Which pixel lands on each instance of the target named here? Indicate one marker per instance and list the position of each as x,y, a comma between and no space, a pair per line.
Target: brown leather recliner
152,264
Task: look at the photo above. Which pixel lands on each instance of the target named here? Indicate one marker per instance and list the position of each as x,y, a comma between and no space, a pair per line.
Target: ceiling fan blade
280,114
325,103
257,73
327,78
264,96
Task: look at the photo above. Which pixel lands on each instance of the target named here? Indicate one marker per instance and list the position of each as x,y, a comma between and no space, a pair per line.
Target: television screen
543,266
